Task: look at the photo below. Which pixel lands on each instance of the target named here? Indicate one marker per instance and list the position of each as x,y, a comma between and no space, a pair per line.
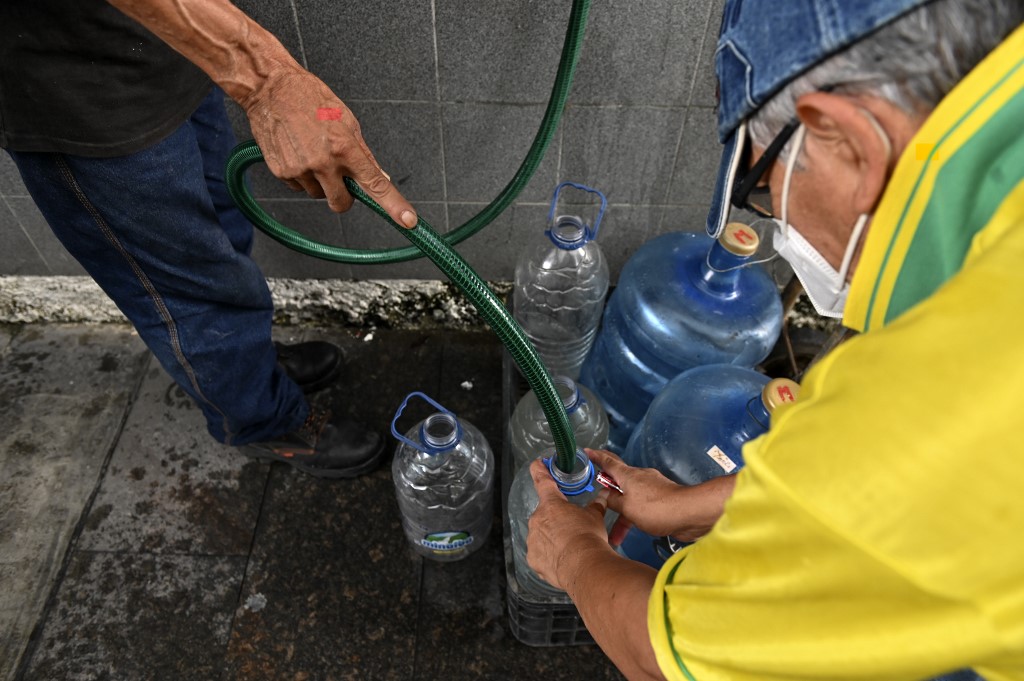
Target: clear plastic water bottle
560,286
683,300
529,432
694,431
578,487
444,479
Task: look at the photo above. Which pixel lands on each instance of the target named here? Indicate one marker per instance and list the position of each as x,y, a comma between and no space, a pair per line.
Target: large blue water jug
683,300
695,430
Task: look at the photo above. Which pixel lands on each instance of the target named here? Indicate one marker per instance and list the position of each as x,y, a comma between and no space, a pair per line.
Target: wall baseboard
388,303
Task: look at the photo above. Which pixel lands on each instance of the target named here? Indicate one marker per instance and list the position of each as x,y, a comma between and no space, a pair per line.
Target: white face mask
826,288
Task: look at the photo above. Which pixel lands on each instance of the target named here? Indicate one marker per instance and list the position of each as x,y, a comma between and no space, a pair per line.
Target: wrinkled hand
311,140
562,536
659,506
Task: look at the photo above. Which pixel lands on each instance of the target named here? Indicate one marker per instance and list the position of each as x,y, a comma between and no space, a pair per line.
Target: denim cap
762,46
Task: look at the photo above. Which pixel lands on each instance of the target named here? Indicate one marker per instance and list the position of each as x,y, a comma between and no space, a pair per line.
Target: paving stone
340,585
326,588
139,617
330,557
170,487
464,632
65,391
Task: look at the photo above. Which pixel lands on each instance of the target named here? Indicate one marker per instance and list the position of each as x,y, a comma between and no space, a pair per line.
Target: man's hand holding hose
309,138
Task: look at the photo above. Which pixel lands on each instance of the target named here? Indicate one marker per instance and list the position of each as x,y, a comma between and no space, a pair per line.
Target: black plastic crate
535,621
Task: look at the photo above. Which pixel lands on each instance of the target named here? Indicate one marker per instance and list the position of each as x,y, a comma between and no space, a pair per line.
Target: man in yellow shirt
877,531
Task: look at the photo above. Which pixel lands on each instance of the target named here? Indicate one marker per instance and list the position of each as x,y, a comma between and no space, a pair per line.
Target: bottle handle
591,232
419,446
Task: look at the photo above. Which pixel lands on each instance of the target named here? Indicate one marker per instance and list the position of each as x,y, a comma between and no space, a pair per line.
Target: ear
858,152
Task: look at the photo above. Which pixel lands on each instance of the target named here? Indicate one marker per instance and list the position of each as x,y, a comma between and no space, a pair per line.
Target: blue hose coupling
577,482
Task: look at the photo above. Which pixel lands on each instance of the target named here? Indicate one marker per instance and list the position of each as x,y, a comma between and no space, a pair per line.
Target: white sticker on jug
722,459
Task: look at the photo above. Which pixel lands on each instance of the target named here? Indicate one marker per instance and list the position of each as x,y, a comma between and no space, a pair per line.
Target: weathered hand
562,535
311,140
659,506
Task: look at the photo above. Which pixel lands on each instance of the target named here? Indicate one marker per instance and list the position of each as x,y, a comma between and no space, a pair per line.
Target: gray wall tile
371,50
10,178
483,146
477,61
705,84
30,246
404,138
363,229
693,178
640,52
626,152
406,141
454,127
277,17
682,218
493,252
623,230
312,219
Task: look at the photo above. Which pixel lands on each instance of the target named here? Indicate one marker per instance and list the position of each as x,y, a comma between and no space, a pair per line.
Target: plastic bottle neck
577,481
568,232
567,389
720,270
440,434
757,418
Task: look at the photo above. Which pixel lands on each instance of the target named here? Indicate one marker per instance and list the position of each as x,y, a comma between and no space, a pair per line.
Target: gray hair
912,62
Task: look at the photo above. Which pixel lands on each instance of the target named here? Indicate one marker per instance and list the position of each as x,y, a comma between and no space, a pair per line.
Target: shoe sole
368,466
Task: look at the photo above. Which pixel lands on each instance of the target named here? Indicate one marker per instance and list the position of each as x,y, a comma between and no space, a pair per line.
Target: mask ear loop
773,256
798,143
858,229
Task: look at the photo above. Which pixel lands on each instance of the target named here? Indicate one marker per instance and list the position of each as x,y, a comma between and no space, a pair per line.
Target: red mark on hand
326,113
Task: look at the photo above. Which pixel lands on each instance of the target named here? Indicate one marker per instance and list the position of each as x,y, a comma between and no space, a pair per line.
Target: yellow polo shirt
877,531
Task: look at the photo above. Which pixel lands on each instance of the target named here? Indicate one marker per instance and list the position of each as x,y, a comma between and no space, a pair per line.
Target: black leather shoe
324,447
313,365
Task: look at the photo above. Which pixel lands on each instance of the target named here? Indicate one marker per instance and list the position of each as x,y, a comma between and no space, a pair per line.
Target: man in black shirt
121,140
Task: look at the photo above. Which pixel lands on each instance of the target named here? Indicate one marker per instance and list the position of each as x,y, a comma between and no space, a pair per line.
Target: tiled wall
449,94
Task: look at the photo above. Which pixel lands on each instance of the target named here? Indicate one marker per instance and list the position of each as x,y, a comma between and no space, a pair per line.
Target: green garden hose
427,242
248,153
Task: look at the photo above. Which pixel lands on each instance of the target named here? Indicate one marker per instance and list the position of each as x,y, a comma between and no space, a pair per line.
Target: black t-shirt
80,77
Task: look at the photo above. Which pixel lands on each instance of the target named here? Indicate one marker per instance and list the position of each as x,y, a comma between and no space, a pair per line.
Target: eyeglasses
746,192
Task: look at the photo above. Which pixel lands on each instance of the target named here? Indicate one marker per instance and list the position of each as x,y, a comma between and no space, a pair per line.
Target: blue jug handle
592,233
420,446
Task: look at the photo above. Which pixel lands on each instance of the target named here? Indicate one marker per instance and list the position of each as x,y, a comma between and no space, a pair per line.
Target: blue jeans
158,232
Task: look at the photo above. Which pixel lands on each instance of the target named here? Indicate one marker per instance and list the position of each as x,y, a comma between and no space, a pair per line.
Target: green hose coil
248,153
438,249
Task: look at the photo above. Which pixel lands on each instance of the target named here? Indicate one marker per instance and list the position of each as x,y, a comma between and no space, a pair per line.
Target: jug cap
739,239
778,391
439,432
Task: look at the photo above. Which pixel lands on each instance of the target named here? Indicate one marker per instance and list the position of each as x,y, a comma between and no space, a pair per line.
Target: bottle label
446,542
722,459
